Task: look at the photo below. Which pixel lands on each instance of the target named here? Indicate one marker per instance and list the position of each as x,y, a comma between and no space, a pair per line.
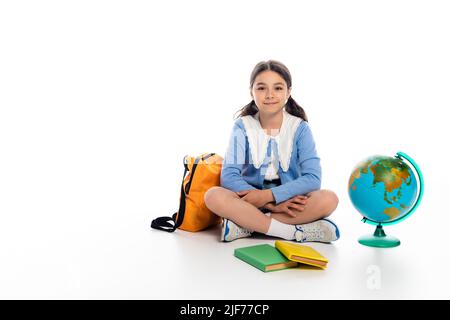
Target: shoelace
313,233
241,232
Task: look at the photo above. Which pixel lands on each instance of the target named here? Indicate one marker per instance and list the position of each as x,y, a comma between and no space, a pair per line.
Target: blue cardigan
303,175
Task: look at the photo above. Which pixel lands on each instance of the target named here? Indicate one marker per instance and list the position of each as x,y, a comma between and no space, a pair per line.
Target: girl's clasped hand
262,199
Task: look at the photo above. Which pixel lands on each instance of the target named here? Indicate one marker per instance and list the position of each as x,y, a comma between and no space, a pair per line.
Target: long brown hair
291,106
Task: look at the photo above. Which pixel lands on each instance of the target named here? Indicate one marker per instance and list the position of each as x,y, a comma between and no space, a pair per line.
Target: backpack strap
170,224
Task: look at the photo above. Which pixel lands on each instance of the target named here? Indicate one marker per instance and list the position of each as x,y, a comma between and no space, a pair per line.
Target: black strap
206,156
170,224
164,223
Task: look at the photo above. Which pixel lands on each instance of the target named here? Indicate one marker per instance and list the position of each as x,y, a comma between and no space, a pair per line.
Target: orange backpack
193,215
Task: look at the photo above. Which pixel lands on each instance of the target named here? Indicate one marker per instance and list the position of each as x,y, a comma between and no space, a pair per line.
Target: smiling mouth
270,102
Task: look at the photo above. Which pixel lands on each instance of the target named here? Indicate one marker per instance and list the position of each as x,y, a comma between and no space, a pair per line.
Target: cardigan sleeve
234,161
309,168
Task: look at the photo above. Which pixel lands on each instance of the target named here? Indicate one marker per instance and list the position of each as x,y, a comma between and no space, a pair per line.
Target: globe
384,190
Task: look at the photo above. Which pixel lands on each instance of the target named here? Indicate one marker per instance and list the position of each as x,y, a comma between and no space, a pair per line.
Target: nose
269,93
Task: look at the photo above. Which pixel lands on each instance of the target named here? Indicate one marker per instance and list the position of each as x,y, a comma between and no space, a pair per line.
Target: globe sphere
383,189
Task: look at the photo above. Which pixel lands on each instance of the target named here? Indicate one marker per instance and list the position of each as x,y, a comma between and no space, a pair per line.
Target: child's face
270,92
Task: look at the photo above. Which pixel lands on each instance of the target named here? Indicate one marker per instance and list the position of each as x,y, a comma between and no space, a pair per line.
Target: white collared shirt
259,140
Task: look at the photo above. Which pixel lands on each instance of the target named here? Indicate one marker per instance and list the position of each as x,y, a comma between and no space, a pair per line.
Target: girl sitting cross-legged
271,174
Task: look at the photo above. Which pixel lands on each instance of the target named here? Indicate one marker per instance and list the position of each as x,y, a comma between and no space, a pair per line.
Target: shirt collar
259,140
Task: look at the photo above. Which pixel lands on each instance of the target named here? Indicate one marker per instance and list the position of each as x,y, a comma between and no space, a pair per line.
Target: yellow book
301,253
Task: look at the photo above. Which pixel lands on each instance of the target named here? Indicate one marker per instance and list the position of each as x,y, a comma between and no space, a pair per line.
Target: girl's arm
231,175
310,169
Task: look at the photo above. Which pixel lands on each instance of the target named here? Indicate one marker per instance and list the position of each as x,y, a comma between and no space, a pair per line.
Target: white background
100,101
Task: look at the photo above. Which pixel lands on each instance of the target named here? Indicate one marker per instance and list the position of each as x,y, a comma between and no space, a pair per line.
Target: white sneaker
322,230
231,231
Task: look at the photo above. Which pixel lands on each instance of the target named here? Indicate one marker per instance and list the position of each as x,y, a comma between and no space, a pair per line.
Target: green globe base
379,239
